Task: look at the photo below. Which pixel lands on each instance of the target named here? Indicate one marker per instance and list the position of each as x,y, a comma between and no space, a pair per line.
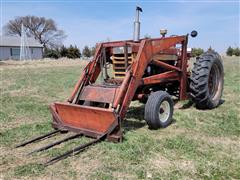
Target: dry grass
61,62
199,144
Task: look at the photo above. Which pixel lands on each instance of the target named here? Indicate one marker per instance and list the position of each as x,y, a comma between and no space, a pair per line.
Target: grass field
199,144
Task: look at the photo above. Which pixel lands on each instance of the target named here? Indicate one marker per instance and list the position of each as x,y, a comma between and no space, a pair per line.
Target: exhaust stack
136,32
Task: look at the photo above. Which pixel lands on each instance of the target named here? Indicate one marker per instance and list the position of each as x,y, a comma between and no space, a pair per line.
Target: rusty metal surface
85,117
183,80
160,78
78,84
165,65
165,57
122,90
85,74
99,94
138,67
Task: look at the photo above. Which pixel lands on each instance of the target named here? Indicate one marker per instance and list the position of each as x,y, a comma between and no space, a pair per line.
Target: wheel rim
214,81
164,111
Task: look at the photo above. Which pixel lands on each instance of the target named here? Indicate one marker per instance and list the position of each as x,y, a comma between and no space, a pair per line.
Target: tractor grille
119,64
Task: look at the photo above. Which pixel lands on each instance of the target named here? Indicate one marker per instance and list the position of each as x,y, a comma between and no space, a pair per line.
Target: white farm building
10,48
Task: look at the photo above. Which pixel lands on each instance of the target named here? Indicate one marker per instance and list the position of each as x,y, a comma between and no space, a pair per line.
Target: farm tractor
151,70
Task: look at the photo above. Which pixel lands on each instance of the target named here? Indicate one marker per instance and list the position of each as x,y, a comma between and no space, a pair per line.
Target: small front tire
159,110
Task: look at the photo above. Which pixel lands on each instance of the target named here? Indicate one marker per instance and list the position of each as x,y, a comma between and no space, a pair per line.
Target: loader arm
89,74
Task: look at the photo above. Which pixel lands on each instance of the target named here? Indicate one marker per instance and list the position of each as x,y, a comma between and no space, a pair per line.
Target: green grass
10,136
182,145
198,145
29,170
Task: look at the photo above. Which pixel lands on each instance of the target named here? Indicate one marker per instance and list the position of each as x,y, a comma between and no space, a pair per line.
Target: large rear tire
159,110
206,81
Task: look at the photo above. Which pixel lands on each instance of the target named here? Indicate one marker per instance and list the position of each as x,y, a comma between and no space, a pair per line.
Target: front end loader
151,70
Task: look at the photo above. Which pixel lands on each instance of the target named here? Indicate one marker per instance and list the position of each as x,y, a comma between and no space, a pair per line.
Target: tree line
72,52
233,51
199,51
229,52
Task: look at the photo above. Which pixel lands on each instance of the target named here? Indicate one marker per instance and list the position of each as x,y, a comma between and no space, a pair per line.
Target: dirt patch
223,141
119,175
160,162
85,166
185,165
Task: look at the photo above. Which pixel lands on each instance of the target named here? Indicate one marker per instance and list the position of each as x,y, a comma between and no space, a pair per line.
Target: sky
88,22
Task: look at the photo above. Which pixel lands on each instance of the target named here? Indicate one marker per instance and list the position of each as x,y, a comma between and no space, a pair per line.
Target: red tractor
151,70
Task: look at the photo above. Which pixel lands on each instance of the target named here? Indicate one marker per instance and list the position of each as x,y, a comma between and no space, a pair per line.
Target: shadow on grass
134,119
129,125
222,101
187,105
136,113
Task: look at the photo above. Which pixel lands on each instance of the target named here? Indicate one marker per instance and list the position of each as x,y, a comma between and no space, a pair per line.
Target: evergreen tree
77,52
236,52
86,52
230,51
51,53
73,52
93,50
63,51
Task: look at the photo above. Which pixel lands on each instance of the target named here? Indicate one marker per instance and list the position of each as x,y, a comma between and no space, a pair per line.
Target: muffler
136,32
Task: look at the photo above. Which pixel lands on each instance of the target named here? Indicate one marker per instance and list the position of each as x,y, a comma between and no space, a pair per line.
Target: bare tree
42,29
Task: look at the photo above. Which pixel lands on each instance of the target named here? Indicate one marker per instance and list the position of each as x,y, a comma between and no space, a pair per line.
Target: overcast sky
88,22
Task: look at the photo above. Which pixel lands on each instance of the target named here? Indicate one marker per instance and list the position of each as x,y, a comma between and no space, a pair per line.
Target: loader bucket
92,121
